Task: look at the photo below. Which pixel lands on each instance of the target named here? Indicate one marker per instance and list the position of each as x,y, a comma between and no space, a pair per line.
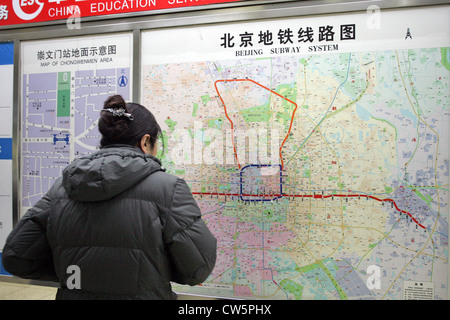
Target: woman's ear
145,144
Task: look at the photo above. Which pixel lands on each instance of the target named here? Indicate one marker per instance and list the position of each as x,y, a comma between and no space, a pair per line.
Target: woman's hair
126,123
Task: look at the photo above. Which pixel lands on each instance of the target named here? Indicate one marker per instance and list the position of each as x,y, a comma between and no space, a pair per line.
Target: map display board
6,134
317,149
64,85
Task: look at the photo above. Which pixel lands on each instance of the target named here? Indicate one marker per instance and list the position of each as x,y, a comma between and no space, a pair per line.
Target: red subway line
232,124
314,196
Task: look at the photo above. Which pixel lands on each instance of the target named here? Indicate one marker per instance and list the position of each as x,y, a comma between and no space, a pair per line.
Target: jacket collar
132,148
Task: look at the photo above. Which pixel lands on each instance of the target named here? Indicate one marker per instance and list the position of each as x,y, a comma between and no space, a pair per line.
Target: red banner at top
27,11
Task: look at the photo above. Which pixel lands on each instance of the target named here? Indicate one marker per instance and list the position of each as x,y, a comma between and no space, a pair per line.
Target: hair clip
119,113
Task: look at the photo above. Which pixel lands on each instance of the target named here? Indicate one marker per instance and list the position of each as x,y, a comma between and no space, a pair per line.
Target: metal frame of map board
196,16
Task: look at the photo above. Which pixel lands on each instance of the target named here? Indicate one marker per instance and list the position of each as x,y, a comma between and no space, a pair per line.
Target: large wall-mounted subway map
323,176
64,85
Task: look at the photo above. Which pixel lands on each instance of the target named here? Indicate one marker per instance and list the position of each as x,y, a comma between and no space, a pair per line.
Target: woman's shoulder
162,181
163,177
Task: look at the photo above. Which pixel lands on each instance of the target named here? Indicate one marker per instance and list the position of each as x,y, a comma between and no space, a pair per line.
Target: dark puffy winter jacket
127,225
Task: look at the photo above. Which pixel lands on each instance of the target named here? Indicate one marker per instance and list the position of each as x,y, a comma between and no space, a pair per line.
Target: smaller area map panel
49,142
61,107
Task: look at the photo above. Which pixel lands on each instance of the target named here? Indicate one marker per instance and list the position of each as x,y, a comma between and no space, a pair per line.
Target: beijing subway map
321,176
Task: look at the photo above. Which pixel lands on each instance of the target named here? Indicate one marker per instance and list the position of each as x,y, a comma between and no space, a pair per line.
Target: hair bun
115,102
113,127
